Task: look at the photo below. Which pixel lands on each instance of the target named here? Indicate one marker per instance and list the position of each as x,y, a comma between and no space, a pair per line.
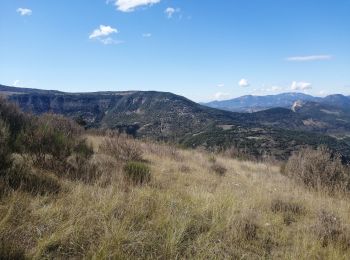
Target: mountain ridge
250,103
165,116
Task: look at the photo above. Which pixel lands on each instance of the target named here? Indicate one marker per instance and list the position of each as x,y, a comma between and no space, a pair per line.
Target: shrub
13,118
22,176
318,169
5,161
122,147
329,229
50,139
78,166
137,172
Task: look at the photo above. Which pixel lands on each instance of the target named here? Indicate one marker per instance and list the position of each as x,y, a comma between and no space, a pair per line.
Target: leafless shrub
121,147
318,169
329,229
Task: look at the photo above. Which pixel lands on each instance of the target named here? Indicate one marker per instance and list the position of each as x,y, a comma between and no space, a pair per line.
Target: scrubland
189,204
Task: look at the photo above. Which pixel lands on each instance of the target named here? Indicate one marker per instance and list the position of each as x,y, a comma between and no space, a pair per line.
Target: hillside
157,114
188,210
169,117
70,193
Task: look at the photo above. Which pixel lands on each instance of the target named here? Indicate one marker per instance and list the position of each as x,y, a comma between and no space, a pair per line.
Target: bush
122,147
22,176
329,229
5,161
318,169
78,166
13,118
137,172
50,139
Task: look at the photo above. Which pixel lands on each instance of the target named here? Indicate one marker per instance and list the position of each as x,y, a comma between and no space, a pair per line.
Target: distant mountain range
286,100
296,121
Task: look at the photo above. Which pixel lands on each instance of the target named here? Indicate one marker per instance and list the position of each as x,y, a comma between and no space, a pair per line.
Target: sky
202,49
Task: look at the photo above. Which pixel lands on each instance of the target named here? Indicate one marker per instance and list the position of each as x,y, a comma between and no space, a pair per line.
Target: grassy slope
187,211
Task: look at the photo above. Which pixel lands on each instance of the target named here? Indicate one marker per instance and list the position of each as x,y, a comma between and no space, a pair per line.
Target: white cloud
221,96
323,92
221,85
102,31
243,83
146,35
310,58
130,5
301,85
274,89
109,41
16,83
24,11
170,11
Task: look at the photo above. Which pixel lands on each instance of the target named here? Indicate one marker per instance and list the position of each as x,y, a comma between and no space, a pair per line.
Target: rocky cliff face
156,114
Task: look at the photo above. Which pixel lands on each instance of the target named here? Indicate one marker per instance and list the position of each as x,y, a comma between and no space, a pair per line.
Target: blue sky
204,50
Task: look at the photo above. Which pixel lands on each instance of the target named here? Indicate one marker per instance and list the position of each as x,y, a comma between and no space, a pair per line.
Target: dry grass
186,211
318,169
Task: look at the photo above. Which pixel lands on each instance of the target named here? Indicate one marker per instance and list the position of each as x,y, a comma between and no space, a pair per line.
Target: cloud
146,35
274,89
16,83
24,11
243,83
323,92
221,96
301,85
170,11
102,31
310,58
109,41
130,5
221,85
